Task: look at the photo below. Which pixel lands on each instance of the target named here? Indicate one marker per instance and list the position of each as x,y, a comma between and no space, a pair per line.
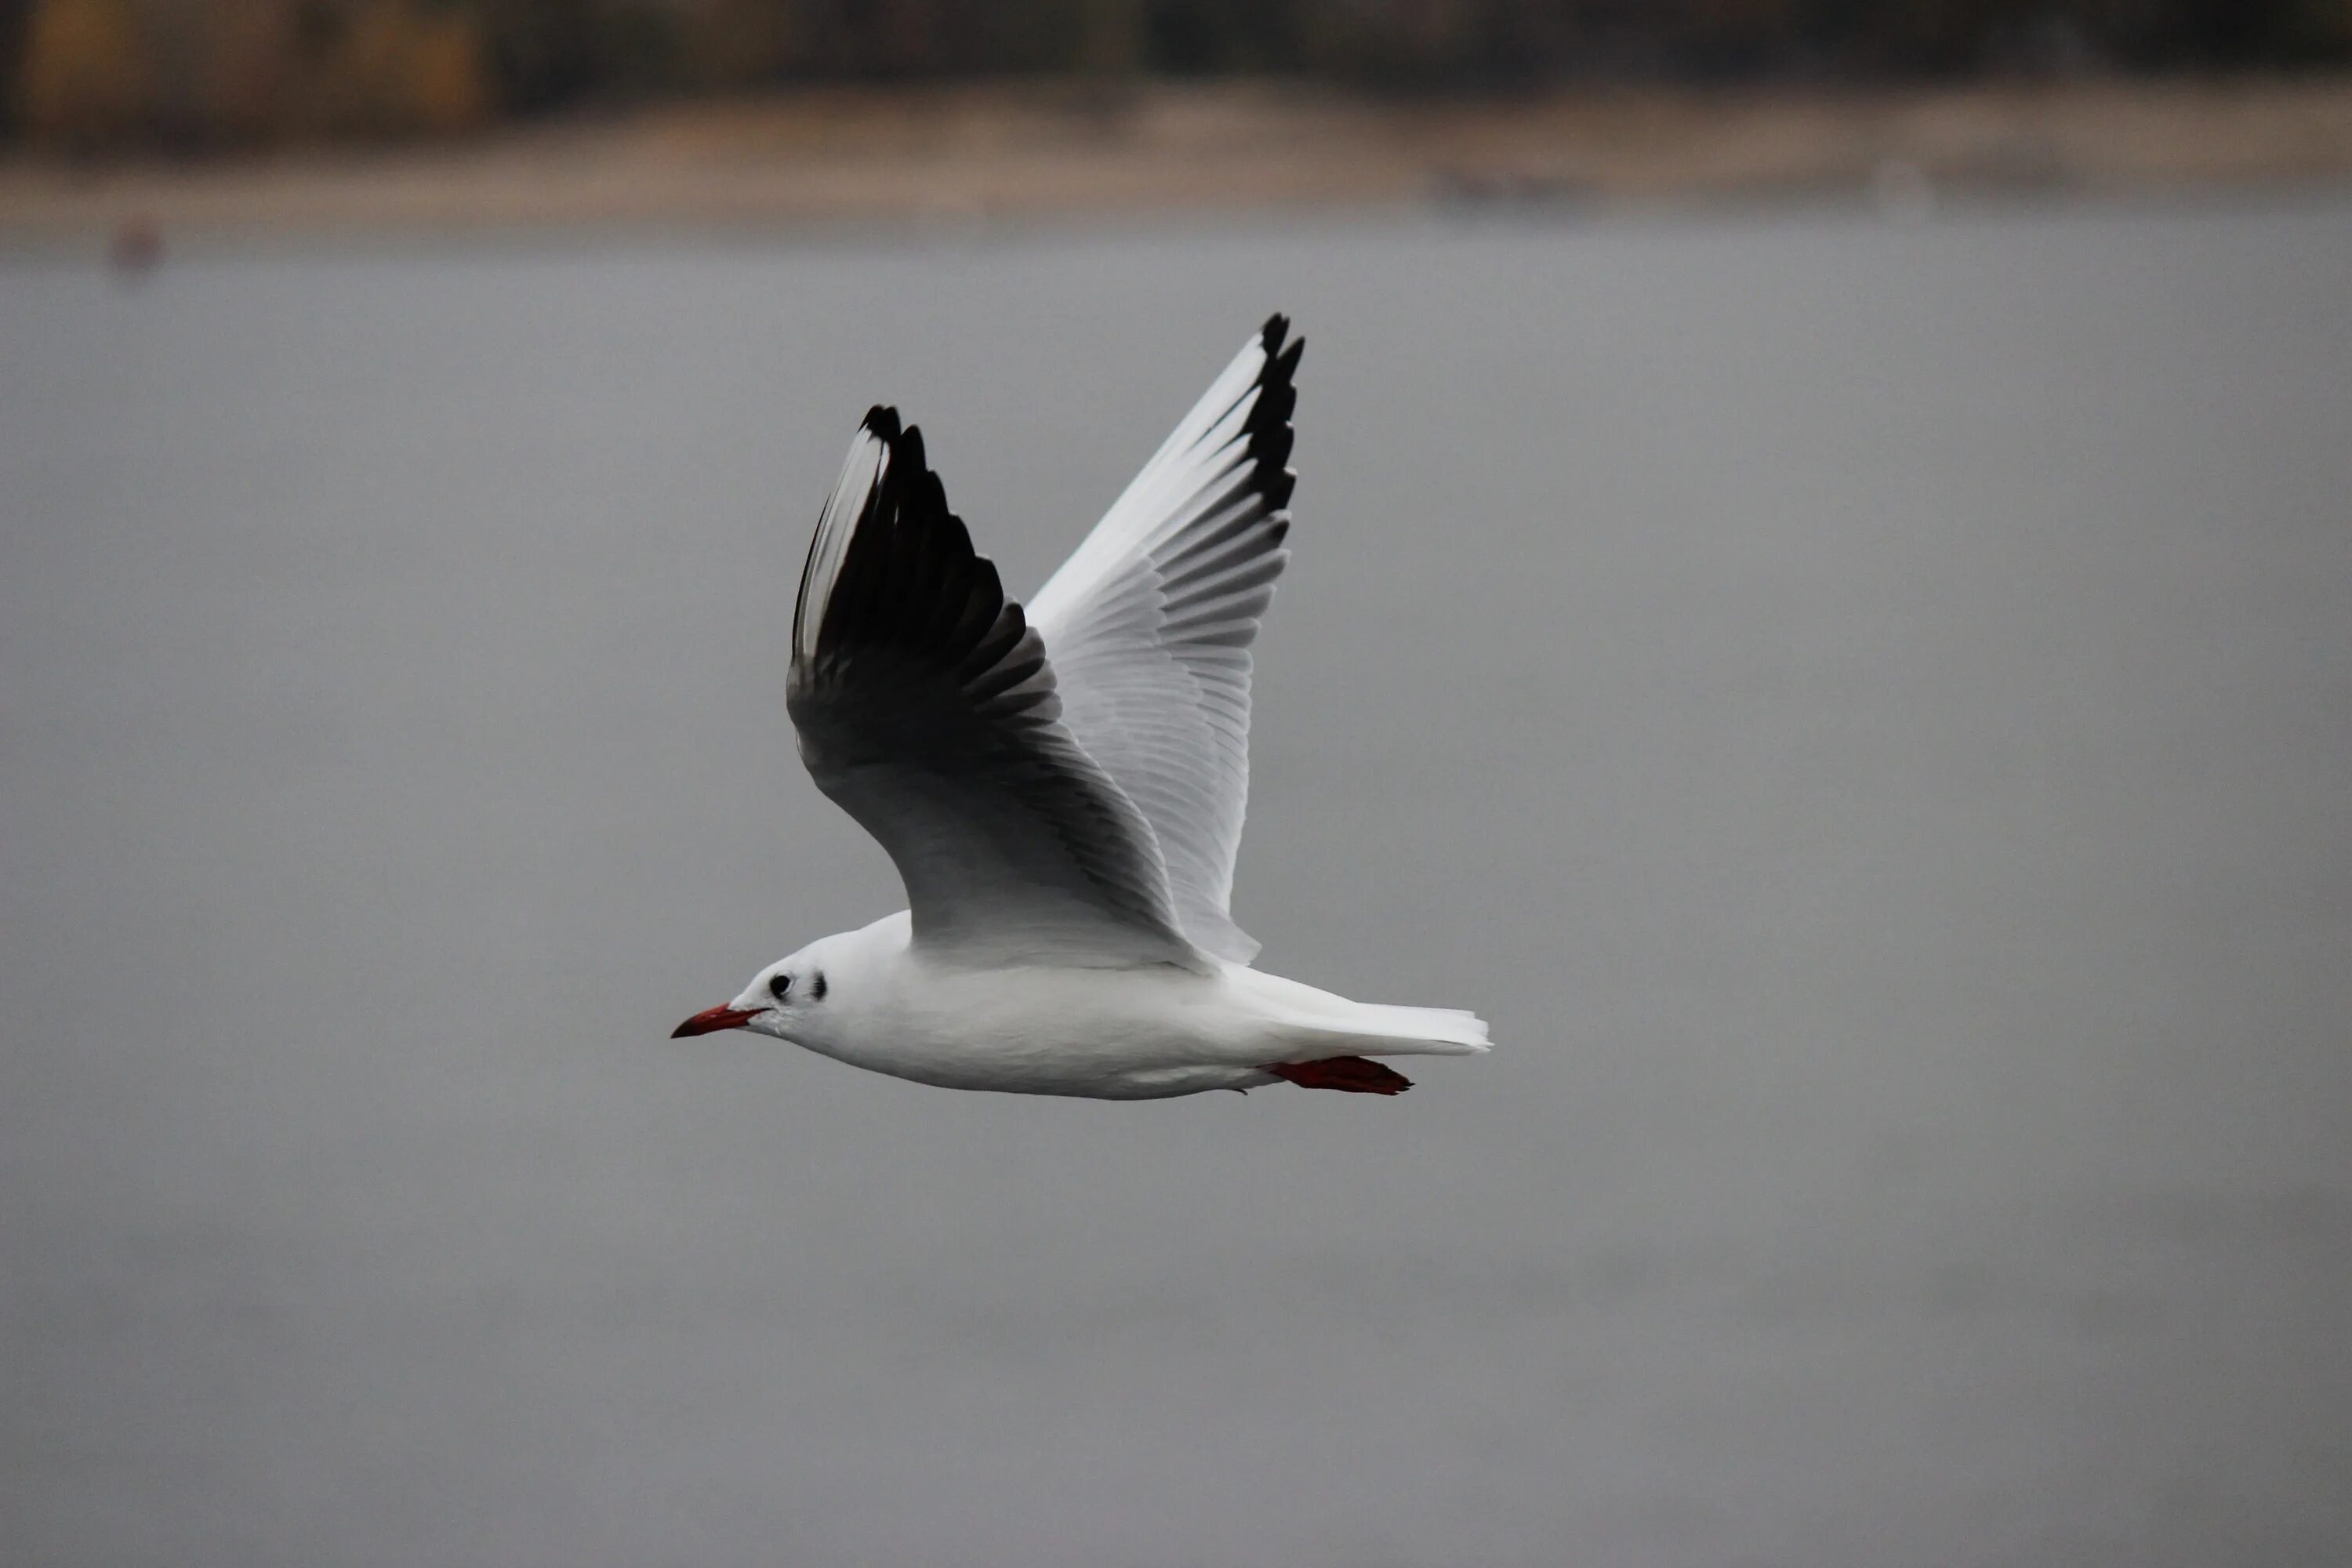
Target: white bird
1061,792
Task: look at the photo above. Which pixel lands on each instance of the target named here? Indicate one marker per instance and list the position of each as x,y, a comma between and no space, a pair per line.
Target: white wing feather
1150,624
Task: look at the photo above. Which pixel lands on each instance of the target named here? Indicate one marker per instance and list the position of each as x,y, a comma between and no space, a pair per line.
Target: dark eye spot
780,986
816,989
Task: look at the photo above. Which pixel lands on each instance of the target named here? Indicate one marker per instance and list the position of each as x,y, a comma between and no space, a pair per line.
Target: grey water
1865,711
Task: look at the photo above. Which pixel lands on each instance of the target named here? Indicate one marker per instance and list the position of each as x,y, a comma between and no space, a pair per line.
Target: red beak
711,1020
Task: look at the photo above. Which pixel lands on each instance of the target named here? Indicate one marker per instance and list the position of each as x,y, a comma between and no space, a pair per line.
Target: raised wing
927,710
1150,624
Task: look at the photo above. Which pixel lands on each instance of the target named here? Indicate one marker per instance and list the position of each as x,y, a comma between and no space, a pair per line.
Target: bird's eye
816,989
780,986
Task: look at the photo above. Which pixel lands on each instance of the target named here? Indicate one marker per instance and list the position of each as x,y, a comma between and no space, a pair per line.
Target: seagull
1061,790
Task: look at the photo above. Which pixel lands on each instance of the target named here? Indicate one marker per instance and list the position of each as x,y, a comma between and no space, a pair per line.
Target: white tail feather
1363,1028
1418,1031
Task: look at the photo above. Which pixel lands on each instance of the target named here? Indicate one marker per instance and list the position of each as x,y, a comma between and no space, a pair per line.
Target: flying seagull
1061,791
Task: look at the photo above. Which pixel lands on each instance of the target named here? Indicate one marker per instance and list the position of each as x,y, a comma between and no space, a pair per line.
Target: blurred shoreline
977,154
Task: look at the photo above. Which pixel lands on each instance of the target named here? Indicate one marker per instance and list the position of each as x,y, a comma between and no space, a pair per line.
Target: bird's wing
1150,624
927,710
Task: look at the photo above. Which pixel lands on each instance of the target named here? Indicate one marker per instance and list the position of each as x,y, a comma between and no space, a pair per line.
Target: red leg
1350,1075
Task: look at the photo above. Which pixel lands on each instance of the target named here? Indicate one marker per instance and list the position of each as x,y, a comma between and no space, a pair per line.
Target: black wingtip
905,441
1269,420
1281,358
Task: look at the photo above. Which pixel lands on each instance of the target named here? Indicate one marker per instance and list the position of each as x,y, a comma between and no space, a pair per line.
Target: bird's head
780,999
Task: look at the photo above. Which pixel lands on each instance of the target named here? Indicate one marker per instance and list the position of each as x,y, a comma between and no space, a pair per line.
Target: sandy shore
1015,152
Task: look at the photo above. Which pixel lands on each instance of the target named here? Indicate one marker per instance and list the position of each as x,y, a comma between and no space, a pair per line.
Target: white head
782,1000
808,997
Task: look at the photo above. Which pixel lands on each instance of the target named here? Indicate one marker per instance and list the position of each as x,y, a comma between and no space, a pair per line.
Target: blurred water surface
1865,712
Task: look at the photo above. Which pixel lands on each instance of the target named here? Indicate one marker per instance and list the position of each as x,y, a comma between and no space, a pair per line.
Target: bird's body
1062,791
1142,1033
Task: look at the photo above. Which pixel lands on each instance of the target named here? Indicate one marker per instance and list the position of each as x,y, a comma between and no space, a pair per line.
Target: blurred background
471,112
210,74
1820,605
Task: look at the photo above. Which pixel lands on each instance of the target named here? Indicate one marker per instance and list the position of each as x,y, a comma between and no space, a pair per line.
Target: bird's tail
1334,1025
1382,1030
